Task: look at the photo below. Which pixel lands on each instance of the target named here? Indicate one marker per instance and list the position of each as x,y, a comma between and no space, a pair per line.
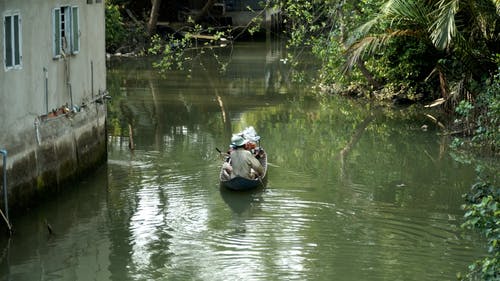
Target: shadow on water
241,202
53,227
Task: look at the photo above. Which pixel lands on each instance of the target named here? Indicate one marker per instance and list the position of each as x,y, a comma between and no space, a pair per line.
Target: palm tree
466,31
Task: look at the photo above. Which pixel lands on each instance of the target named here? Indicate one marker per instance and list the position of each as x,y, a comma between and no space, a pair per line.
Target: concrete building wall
43,151
23,90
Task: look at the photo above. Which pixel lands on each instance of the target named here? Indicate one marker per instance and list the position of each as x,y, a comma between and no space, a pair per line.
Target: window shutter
56,18
75,30
17,40
8,41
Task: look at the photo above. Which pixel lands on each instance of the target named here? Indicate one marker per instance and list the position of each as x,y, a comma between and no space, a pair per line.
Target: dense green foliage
123,34
179,52
481,119
483,214
115,31
415,43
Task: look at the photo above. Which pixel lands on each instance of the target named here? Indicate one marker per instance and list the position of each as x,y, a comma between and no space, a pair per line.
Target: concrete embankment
55,151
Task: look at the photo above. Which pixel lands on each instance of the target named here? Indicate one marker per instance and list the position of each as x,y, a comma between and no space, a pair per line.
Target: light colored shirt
243,162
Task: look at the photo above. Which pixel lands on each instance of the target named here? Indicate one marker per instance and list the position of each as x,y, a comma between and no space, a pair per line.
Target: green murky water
355,191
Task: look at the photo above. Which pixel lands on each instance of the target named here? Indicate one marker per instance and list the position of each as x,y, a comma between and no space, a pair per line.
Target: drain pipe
46,76
6,216
92,78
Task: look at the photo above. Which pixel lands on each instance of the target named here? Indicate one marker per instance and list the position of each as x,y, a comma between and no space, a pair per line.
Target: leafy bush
115,31
483,215
481,117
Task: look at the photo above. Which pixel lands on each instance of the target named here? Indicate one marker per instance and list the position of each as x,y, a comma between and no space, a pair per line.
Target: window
75,30
12,41
66,31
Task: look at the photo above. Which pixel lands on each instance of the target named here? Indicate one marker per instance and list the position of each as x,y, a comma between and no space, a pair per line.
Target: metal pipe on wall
6,216
46,75
92,78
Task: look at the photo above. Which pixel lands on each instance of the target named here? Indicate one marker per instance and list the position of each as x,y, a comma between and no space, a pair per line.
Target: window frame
65,31
14,60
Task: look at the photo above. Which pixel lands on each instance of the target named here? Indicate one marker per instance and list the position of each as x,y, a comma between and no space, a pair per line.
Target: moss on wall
70,148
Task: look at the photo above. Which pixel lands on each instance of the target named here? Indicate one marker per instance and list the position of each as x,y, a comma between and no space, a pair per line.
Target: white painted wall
22,91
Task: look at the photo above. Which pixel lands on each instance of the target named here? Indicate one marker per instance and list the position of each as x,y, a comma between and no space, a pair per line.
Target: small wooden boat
240,183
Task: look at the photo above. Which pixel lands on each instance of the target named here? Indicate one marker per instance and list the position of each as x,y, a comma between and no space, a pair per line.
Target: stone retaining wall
56,151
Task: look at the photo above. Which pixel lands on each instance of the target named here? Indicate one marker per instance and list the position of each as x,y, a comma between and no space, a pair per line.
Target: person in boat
243,162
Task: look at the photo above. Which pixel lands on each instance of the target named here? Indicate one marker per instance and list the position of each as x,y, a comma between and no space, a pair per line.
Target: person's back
242,162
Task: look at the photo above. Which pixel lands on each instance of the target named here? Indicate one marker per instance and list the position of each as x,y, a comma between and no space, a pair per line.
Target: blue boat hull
240,183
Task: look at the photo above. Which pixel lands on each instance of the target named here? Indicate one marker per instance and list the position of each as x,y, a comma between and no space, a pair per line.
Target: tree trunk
368,75
153,17
204,10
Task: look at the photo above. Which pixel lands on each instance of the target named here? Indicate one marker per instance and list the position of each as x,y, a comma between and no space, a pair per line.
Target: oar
9,226
260,180
222,154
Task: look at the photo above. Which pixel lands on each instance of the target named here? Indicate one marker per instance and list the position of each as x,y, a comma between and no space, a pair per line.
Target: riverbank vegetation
441,53
438,53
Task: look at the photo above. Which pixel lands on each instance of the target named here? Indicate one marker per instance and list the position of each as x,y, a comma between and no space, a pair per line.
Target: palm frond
409,12
486,16
356,51
444,27
497,5
396,13
370,45
363,30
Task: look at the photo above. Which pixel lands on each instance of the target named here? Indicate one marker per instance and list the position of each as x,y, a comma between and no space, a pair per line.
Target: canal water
355,191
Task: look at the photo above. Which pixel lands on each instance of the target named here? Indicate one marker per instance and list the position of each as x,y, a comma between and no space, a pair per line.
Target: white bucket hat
238,140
